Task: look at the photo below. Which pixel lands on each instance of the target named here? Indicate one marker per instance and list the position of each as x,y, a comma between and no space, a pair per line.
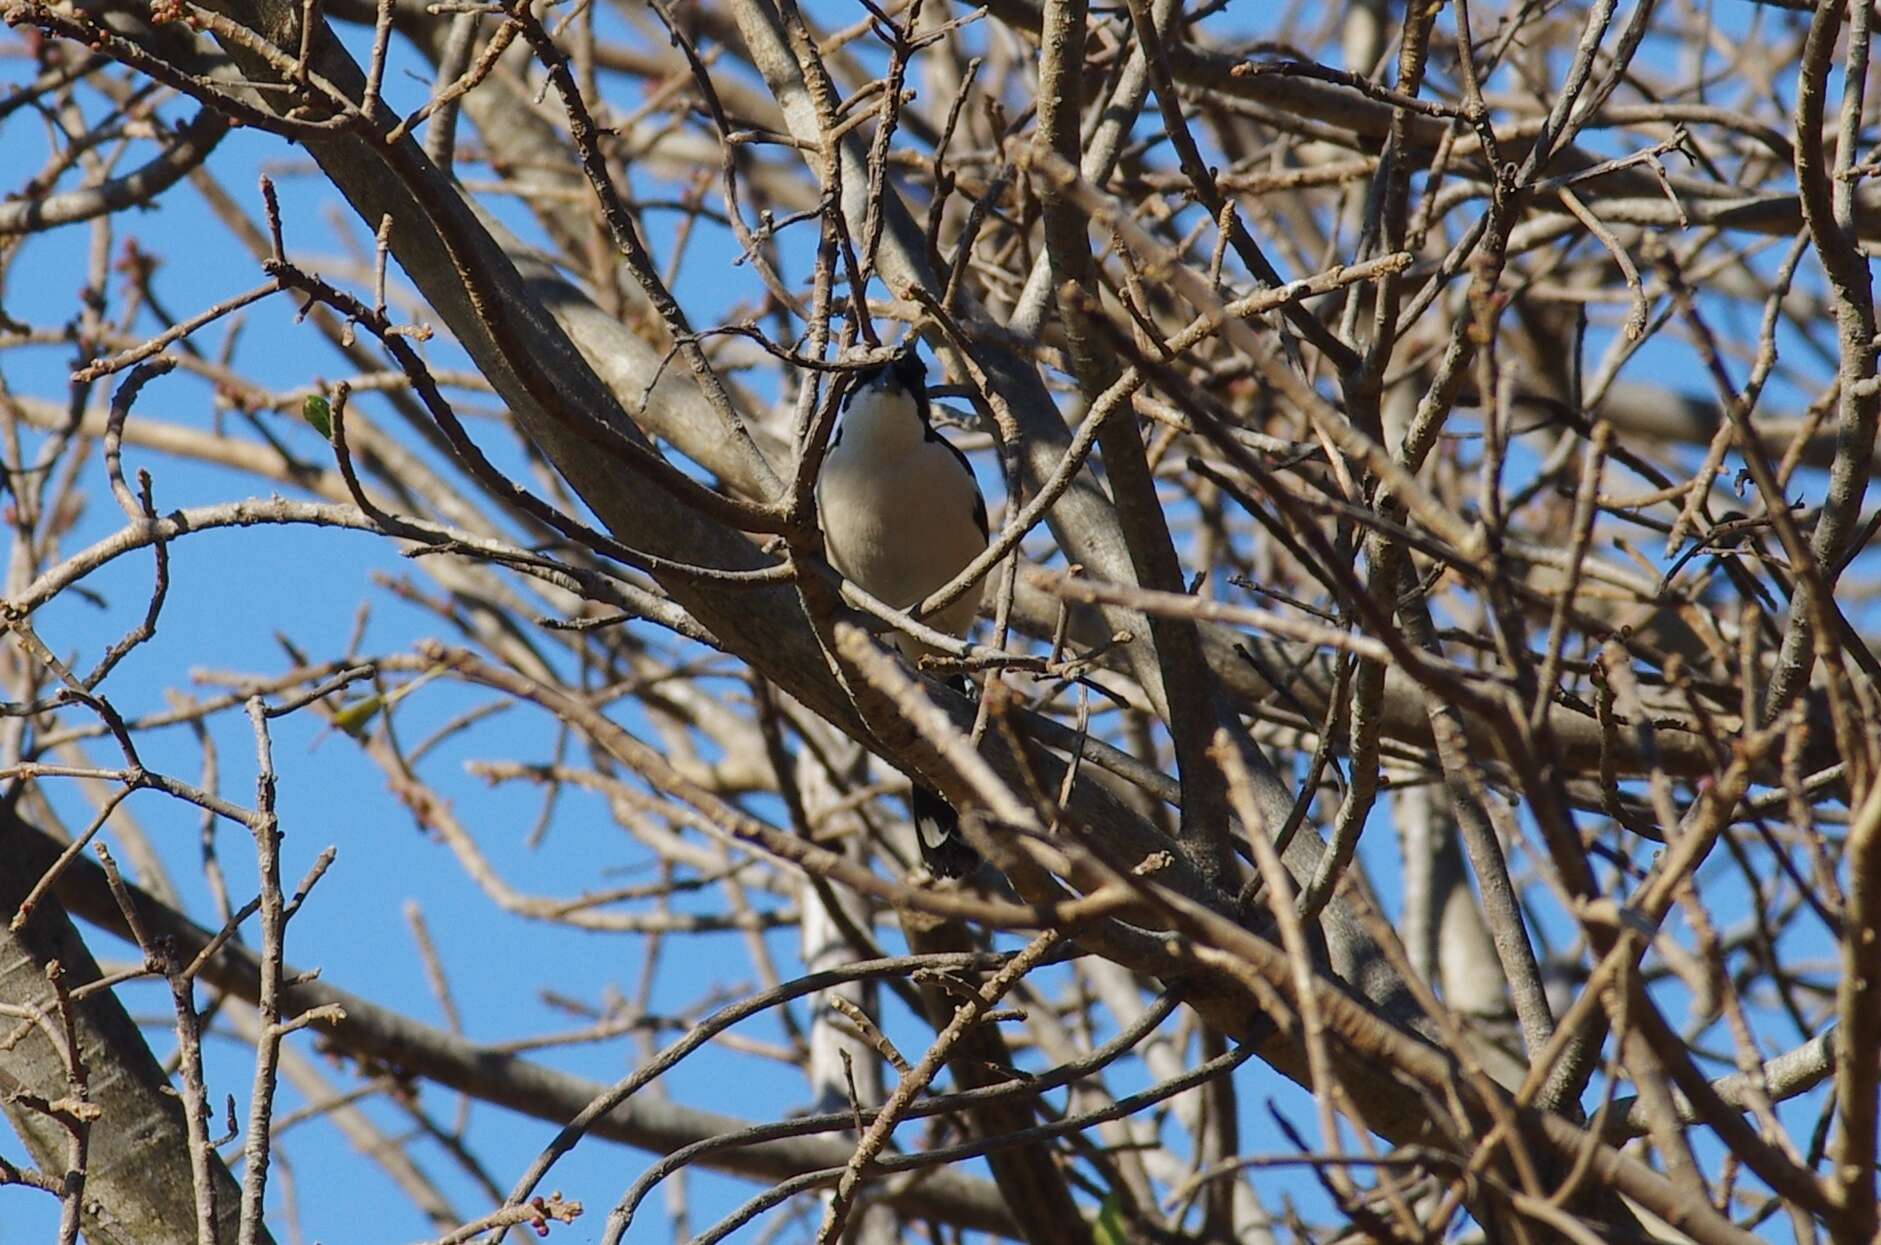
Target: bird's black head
910,371
904,372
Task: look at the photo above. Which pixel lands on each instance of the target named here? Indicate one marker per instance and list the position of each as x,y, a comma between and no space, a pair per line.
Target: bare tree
1449,422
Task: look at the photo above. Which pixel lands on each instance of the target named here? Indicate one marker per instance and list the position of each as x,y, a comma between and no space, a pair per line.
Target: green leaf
318,414
1110,1228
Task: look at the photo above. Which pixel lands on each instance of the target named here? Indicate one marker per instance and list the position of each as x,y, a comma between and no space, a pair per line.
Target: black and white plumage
901,516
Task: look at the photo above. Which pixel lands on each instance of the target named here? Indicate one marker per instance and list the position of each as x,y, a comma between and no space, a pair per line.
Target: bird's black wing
979,498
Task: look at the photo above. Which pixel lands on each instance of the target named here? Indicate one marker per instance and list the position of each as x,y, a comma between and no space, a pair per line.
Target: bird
902,514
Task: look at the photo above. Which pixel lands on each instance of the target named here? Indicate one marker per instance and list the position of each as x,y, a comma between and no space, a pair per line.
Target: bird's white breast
899,521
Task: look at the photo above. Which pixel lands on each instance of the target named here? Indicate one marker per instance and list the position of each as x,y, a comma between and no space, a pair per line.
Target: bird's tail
944,849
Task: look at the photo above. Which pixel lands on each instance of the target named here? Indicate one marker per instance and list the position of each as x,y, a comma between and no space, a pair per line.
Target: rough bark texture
137,1175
